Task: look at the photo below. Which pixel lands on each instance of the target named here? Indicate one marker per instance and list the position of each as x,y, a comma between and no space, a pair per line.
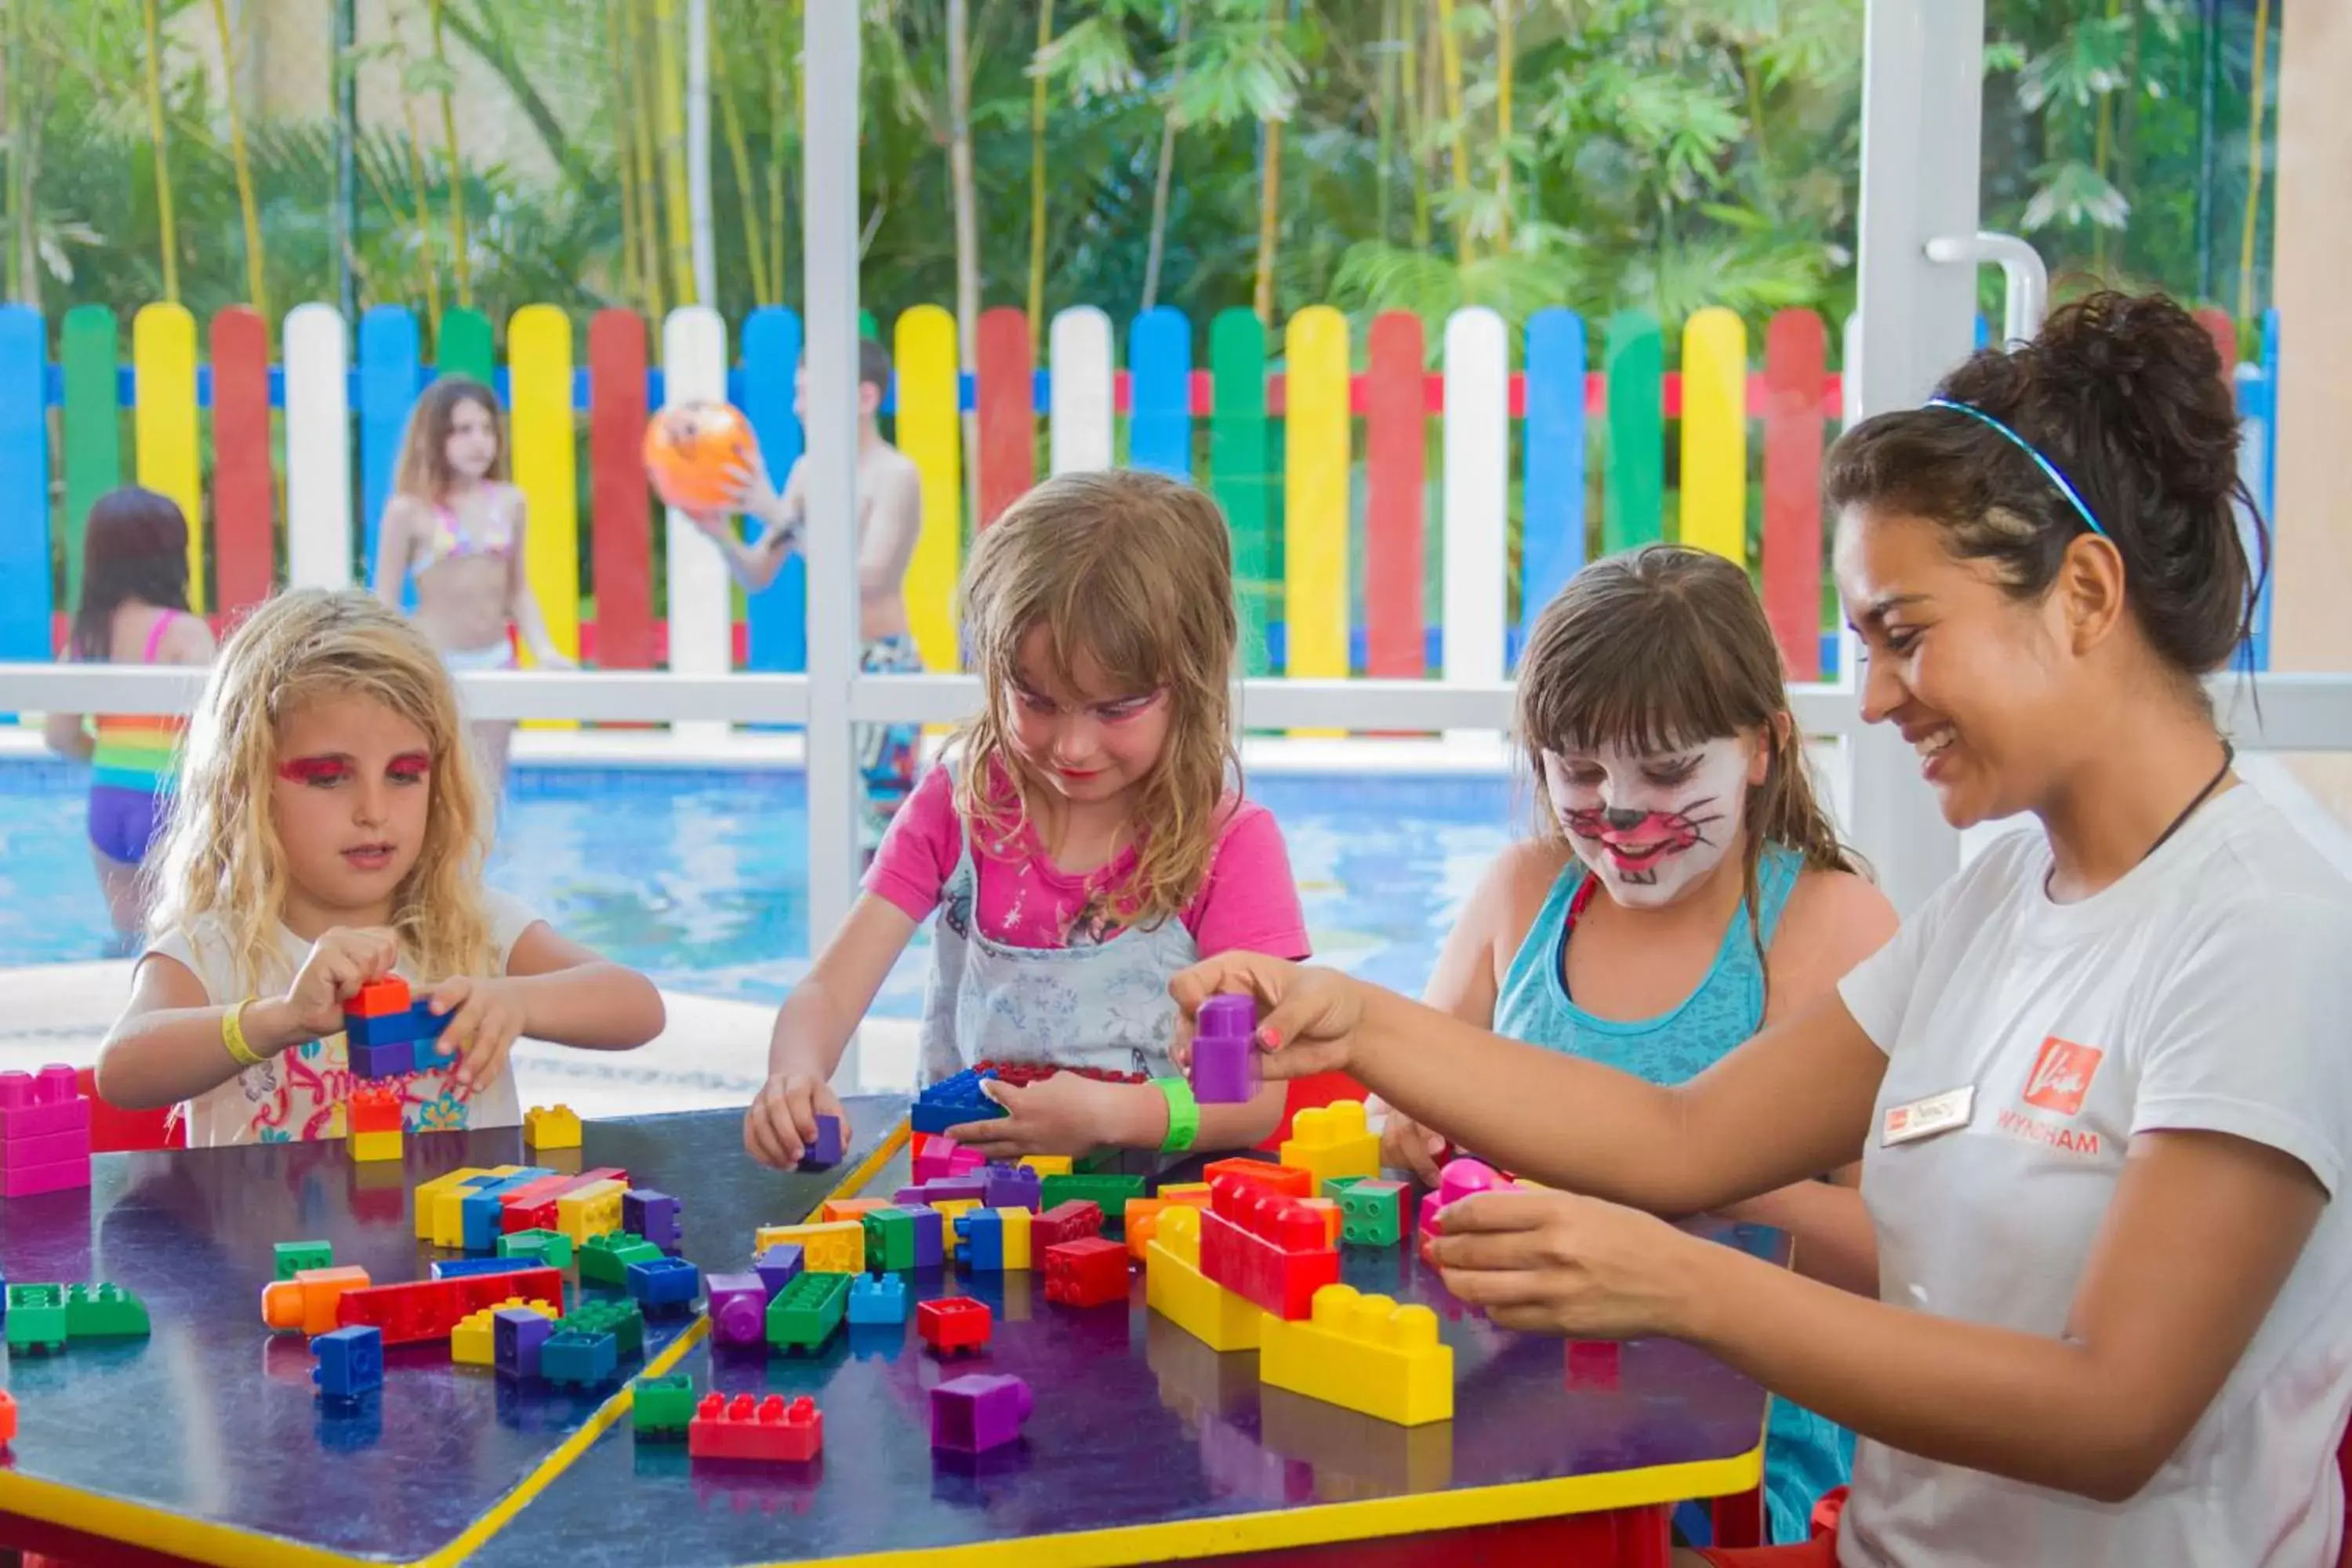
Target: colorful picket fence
1317,445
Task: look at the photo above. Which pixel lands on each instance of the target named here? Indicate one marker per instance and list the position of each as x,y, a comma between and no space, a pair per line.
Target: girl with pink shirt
1083,840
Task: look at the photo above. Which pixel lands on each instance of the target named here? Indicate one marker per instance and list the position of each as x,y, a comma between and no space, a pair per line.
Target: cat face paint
1651,826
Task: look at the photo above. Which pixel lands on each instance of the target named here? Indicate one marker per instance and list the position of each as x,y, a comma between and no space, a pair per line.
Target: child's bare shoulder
1834,919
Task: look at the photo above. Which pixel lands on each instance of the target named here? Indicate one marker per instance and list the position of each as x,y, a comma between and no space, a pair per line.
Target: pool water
700,877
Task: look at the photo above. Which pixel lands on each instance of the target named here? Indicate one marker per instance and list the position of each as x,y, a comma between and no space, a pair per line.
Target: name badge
1926,1118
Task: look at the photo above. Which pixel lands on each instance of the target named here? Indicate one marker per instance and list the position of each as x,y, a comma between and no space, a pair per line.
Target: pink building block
34,1180
1225,1051
48,1149
35,1104
1460,1179
979,1411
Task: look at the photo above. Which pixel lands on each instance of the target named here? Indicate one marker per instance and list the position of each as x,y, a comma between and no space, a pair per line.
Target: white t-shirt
299,1093
2209,989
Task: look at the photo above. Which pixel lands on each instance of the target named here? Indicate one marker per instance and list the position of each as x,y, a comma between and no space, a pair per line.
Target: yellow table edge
204,1541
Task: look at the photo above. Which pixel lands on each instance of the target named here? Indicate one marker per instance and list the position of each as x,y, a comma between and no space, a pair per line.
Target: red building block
431,1309
374,1107
531,1206
1089,1272
7,1417
1071,1221
1593,1364
954,1324
379,999
1288,1180
1269,1248
749,1427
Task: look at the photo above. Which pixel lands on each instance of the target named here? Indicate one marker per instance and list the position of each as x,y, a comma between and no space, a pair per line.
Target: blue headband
2082,507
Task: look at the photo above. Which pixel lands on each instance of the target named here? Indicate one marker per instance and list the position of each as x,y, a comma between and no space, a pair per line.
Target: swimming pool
699,876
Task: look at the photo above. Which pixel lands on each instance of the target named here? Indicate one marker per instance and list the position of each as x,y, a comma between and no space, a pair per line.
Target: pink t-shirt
1248,900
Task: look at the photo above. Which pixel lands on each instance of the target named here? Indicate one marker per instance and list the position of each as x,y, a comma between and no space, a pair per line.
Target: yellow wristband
233,1036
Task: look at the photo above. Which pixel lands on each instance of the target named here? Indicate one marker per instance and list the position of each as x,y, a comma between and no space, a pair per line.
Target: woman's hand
1554,1263
337,964
1407,1145
782,1122
1309,1013
486,1017
1067,1113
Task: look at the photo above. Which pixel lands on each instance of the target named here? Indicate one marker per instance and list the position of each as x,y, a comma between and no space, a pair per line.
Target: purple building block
396,1059
516,1335
1011,1187
930,1232
738,1308
826,1149
979,1411
778,1266
651,1215
1224,1053
960,1187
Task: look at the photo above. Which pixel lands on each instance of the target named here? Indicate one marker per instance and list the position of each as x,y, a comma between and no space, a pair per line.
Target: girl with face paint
1683,888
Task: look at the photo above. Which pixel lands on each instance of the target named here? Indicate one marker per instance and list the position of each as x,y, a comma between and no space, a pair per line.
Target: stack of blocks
44,1133
1269,1247
1178,1291
952,1101
372,1117
389,1035
1333,1141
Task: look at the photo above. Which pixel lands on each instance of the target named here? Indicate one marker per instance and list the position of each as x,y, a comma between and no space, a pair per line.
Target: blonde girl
329,831
457,524
1084,840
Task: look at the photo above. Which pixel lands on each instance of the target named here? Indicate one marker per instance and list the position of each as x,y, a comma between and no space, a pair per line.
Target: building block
946,1190
7,1417
35,1320
1363,1352
824,1149
1287,1180
835,1248
1593,1365
588,1211
778,1267
606,1259
1373,1213
625,1321
552,1127
1332,1139
1140,1217
663,1286
979,1411
538,1204
1011,1187
550,1247
952,1101
1224,1068
427,1193
516,1335
738,1308
1458,1179
938,1159
750,1427
1175,1288
430,1309
34,1105
58,1176
908,1238
379,998
1108,1193
954,1324
651,1215
293,1256
46,1149
447,1226
833,1211
1089,1272
1266,1246
1330,1211
307,1303
1048,1164
372,1108
1064,1222
804,1313
417,1022
661,1406
375,1146
473,1341
349,1361
394,1059
104,1313
877,1299
994,1240
576,1359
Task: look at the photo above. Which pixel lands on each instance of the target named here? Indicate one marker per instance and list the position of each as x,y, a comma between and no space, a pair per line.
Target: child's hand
485,1018
1065,1114
1554,1263
782,1122
1407,1145
337,964
1310,1012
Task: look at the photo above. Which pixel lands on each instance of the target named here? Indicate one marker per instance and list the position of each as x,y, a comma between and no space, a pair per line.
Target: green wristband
1183,1115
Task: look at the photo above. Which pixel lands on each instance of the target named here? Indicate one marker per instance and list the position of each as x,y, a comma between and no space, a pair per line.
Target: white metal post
697,153
1922,125
829,227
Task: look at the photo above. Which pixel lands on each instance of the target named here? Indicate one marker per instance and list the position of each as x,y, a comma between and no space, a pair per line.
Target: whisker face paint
1650,825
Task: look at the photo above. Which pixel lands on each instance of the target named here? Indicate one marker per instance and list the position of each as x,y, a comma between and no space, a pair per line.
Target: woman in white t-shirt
2100,1083
327,832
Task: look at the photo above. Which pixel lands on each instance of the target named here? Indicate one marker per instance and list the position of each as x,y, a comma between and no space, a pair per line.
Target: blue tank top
1805,1456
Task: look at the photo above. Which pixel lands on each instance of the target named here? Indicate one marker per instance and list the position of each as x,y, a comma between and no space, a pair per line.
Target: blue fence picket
777,617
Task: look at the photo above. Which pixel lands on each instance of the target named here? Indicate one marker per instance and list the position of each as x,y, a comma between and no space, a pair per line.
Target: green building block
36,1317
1371,1213
661,1406
625,1321
104,1313
293,1256
552,1247
1333,1186
805,1312
889,1241
606,1259
1109,1192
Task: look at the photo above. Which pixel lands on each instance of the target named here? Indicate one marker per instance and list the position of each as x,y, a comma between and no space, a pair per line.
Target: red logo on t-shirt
2062,1076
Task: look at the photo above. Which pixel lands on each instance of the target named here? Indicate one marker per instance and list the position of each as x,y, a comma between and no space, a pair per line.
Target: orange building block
379,999
833,1211
1286,1179
307,1302
373,1108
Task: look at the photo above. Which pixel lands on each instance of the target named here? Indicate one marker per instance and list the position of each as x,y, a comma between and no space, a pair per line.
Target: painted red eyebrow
411,763
308,770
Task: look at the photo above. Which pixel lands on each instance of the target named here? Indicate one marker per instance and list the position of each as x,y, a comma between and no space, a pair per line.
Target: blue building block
877,1299
583,1360
662,1285
952,1101
458,1268
349,1361
778,1266
652,1214
419,1023
980,1234
518,1335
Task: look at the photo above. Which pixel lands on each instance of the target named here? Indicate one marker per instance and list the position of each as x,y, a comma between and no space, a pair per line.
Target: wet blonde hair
423,468
221,862
1136,572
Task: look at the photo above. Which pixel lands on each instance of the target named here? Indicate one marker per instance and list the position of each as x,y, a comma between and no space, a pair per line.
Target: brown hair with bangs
1136,570
1665,647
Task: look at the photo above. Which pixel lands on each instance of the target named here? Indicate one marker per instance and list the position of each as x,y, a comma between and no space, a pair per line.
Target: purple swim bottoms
122,822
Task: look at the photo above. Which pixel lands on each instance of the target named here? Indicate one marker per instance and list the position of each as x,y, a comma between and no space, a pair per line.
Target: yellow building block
1016,1238
1175,1288
1363,1352
471,1341
427,1192
1194,1195
1332,1141
948,1208
1048,1164
384,1145
552,1127
449,1209
593,1209
839,1248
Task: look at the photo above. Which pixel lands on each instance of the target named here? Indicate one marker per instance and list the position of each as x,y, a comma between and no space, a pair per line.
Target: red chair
114,1132
2344,1472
